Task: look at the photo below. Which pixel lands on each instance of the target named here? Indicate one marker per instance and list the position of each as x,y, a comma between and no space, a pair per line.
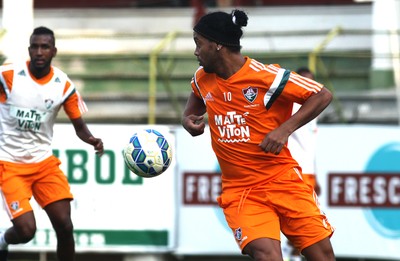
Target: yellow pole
312,57
312,64
153,75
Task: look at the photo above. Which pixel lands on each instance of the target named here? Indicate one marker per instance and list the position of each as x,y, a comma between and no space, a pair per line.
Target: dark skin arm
85,135
193,115
317,187
312,107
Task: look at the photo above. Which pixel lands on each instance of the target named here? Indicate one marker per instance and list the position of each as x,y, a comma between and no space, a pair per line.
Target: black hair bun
239,17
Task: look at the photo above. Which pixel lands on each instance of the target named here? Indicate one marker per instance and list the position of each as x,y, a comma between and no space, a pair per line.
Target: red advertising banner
376,190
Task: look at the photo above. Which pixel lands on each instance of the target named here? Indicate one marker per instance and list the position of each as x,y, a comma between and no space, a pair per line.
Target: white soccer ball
148,153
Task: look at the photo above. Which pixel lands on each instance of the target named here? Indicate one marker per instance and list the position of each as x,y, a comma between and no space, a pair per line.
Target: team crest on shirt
48,103
250,93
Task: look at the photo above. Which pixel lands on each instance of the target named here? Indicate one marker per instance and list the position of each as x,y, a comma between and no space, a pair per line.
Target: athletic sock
295,258
3,243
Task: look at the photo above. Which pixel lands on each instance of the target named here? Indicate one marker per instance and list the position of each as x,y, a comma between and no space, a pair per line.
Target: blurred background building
141,51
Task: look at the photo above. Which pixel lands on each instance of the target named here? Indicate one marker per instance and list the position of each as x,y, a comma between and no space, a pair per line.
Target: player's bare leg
59,213
321,251
22,231
264,249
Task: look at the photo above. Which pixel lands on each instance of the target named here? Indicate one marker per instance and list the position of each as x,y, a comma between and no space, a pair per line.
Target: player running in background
302,143
31,94
302,146
249,108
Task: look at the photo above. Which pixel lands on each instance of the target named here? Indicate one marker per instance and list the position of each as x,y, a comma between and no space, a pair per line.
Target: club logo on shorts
14,205
250,93
238,233
239,236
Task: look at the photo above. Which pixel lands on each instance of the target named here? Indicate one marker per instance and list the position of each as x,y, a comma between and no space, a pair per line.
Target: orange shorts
44,180
286,204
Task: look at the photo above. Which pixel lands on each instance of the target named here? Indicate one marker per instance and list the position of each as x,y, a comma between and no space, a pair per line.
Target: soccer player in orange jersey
31,94
249,107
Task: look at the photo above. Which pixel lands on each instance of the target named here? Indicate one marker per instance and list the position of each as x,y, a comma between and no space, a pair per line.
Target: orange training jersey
242,110
28,109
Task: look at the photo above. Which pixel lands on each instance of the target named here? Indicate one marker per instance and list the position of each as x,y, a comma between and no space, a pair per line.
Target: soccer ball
148,153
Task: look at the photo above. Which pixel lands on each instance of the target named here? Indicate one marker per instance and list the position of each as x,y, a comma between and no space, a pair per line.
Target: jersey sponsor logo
250,93
28,119
232,127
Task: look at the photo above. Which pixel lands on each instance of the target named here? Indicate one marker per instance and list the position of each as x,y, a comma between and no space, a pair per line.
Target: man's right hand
194,124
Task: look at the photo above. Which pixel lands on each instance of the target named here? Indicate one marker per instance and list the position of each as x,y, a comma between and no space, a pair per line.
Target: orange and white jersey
28,109
242,110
